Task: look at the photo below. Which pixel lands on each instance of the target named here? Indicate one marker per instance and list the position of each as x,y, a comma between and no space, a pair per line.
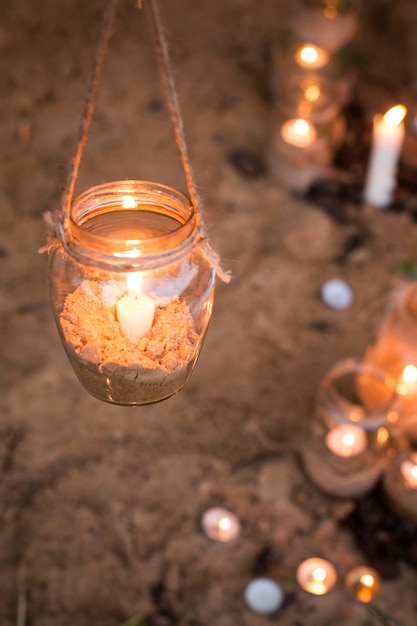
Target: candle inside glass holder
395,347
345,448
220,524
400,478
316,575
330,23
307,129
131,290
364,582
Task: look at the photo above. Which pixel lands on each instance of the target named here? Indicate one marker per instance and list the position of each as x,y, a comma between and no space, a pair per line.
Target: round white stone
337,294
263,595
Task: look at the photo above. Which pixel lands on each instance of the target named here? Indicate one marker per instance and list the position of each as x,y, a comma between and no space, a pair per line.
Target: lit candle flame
312,93
348,440
225,523
367,579
407,380
134,283
311,56
319,574
298,132
394,116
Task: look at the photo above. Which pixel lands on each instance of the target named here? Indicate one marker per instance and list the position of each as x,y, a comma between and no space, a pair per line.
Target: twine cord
89,105
56,222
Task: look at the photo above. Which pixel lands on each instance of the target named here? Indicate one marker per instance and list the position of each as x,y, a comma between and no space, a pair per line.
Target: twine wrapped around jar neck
57,222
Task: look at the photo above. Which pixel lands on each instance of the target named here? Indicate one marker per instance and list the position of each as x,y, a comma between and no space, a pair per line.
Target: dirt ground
100,504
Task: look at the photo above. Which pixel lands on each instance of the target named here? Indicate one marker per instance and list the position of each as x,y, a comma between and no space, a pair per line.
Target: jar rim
131,253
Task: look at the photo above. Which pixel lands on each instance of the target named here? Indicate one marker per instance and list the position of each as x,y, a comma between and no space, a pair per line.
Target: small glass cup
308,129
395,348
400,478
345,449
331,24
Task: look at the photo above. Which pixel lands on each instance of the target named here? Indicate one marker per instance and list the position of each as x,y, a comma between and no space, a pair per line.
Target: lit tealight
311,57
364,582
407,382
408,471
220,524
346,440
264,595
317,576
298,132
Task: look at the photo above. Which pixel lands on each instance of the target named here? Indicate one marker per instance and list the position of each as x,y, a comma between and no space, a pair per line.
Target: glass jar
345,449
400,478
131,290
395,348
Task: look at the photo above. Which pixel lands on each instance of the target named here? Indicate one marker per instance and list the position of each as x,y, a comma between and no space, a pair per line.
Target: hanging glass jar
131,290
345,449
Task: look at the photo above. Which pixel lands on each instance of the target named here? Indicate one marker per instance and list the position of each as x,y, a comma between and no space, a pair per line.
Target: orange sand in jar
120,368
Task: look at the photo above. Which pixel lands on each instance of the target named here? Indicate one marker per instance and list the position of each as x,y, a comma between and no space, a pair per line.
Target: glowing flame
134,283
312,93
367,580
394,116
348,440
410,374
225,523
309,54
319,574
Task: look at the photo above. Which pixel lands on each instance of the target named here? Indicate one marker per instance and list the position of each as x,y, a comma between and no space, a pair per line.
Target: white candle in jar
387,140
135,312
311,57
346,440
220,524
317,576
298,132
408,471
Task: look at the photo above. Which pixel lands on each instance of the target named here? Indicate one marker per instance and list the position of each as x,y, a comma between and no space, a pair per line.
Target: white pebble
263,595
337,294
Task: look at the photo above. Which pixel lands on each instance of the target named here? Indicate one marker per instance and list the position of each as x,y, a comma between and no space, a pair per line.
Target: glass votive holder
400,477
331,24
363,582
346,444
307,130
395,347
316,576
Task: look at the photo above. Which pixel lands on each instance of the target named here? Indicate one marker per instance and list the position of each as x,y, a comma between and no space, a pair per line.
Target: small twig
384,618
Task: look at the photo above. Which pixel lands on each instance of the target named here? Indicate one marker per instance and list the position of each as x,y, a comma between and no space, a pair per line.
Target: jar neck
131,225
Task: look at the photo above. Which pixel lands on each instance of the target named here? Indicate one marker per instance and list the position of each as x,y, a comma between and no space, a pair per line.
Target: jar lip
357,366
145,195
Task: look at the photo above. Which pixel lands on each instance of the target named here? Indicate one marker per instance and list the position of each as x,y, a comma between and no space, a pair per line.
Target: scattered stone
336,294
264,595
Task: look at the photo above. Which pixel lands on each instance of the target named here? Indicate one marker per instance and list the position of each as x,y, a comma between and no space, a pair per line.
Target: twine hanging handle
167,80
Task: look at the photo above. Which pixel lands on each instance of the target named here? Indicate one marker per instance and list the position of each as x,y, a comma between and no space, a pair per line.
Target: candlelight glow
407,381
312,92
395,115
311,56
128,202
225,523
319,574
348,440
367,580
134,283
298,132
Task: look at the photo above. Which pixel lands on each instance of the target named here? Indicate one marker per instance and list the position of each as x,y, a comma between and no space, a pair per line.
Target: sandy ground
100,505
